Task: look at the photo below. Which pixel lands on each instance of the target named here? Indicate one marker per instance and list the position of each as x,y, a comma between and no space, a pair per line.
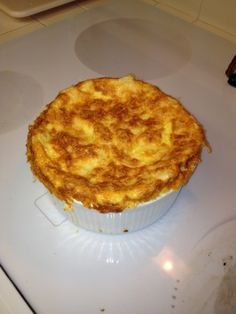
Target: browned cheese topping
113,143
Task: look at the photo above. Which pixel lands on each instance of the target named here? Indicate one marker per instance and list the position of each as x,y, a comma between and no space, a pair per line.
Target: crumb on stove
125,230
227,259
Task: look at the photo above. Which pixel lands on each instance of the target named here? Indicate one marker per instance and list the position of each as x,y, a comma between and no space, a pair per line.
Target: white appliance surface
23,8
185,262
11,302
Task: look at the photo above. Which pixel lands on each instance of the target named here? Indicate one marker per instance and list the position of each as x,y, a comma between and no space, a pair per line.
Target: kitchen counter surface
11,28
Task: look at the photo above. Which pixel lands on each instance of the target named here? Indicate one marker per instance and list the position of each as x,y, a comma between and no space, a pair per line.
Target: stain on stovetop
21,96
174,296
145,48
219,291
210,285
226,294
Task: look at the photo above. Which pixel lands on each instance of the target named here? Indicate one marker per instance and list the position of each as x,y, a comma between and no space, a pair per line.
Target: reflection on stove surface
111,249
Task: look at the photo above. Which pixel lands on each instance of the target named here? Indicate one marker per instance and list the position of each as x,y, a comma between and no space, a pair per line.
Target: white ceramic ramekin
129,220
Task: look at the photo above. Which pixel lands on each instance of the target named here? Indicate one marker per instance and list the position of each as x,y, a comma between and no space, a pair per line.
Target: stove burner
20,98
145,48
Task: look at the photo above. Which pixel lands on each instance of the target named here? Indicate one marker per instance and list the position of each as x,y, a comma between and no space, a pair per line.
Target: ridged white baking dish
129,220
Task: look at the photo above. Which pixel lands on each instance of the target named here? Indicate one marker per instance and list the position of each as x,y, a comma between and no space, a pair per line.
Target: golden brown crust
114,143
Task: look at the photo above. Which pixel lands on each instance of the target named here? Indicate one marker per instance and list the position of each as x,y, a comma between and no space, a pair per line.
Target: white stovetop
185,263
11,302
